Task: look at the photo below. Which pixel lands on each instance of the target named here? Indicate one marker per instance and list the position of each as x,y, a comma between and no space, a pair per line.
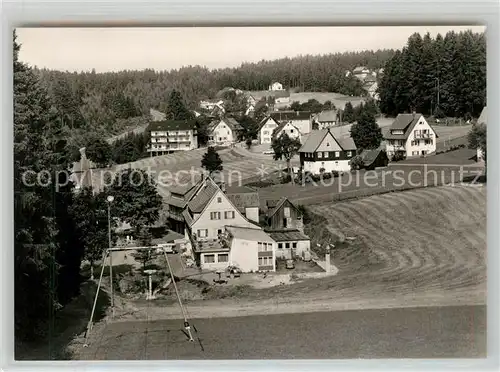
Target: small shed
374,158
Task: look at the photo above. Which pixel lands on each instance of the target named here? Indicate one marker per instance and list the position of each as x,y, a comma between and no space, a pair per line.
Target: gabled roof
203,196
326,116
283,125
404,122
243,197
274,205
317,136
166,125
290,115
369,156
231,123
264,121
483,117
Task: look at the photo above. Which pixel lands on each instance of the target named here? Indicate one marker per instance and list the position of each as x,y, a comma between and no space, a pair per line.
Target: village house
211,104
286,128
224,132
299,119
325,152
172,135
285,226
410,135
481,120
276,86
375,158
266,129
361,72
324,119
207,213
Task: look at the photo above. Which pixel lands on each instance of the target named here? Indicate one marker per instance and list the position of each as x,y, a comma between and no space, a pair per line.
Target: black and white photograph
224,193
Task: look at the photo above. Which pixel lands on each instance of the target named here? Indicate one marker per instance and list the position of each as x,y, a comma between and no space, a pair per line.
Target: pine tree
366,133
176,110
211,161
348,115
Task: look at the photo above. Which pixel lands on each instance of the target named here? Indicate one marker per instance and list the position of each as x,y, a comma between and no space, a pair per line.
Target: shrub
398,156
357,163
286,179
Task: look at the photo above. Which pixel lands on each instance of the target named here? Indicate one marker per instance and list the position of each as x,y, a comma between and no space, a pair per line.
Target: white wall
244,254
421,146
266,132
286,253
305,126
290,130
223,134
329,144
252,214
204,221
215,265
329,165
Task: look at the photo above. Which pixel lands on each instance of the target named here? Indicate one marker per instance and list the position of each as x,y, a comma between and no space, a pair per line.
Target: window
294,245
266,133
203,233
209,258
287,245
223,257
325,154
336,163
349,153
229,215
219,231
219,200
215,215
291,130
285,223
228,133
264,247
287,211
280,245
322,164
225,138
265,261
259,246
320,154
337,154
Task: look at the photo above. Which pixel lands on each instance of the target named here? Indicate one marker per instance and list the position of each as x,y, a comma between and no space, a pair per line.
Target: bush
398,156
286,179
357,163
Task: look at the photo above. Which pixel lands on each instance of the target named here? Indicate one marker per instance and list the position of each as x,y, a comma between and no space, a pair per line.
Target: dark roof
231,123
242,200
317,136
290,115
203,196
287,235
171,125
369,156
275,205
404,122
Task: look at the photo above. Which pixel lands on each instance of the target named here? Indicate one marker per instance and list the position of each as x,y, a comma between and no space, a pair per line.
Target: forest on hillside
441,76
105,102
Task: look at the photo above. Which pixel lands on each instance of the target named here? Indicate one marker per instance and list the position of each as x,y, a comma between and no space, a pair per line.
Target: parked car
290,264
233,272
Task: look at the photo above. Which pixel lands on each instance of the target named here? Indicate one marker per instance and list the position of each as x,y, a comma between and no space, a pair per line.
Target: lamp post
110,199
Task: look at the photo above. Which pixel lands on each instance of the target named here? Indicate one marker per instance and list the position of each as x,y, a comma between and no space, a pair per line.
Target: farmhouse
286,128
299,119
324,119
410,135
324,152
286,228
223,132
172,135
266,129
276,86
481,120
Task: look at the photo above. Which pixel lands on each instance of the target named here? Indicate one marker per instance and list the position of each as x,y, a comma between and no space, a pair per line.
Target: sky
115,49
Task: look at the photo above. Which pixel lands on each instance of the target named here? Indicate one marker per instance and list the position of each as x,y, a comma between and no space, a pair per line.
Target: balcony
420,135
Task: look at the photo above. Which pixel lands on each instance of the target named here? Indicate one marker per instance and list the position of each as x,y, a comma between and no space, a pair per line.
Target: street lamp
110,199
